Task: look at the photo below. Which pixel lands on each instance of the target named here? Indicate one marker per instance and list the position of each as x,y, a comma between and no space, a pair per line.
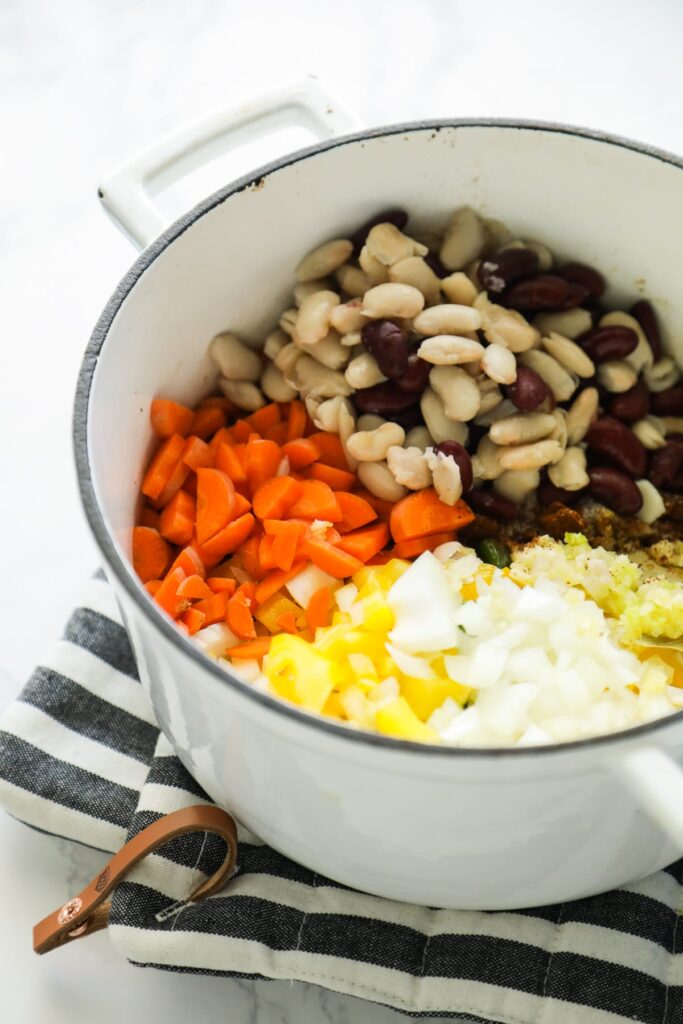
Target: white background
83,85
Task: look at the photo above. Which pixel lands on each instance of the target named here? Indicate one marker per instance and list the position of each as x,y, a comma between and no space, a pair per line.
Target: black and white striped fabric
81,757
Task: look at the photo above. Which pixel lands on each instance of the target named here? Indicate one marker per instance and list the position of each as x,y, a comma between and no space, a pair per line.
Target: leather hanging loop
89,911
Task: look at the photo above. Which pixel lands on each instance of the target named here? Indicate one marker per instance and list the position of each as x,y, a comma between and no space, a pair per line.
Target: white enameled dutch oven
488,829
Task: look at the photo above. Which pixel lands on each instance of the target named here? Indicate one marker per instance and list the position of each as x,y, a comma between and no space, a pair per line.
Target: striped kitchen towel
81,756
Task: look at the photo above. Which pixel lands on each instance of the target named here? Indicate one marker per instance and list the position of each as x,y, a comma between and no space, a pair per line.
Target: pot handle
125,191
656,780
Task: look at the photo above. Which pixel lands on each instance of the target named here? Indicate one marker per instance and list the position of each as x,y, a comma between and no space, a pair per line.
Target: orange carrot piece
222,436
177,479
215,503
221,584
196,453
330,559
296,420
151,586
227,460
265,552
275,497
381,558
319,609
242,505
177,519
150,553
148,517
356,511
275,580
301,452
227,540
194,588
250,557
274,527
264,418
337,479
213,607
286,545
240,432
331,450
382,508
193,619
220,400
162,466
208,420
167,594
367,542
287,622
190,562
253,650
239,618
262,460
423,513
170,417
316,501
413,548
277,433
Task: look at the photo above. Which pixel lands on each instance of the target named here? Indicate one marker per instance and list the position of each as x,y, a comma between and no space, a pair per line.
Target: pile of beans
473,364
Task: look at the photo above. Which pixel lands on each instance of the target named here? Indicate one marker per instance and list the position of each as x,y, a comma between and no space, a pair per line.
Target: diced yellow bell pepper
468,590
291,660
333,706
377,615
385,575
398,719
426,695
362,665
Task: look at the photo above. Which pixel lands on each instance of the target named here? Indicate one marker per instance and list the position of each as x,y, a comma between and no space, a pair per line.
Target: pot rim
124,571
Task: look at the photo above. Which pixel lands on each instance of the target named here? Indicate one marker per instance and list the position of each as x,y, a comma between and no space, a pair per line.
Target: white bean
499,364
347,317
328,413
377,478
582,412
274,385
560,381
352,280
287,321
641,356
373,445
445,476
347,426
570,323
363,372
414,271
409,467
313,321
243,393
650,432
234,359
447,318
375,271
369,421
438,424
329,351
616,376
490,396
351,340
662,375
312,378
569,473
505,327
418,437
522,428
502,409
560,431
389,245
302,291
568,354
392,300
274,343
324,260
545,257
486,464
498,233
464,240
517,484
530,456
450,350
653,505
458,392
287,358
459,289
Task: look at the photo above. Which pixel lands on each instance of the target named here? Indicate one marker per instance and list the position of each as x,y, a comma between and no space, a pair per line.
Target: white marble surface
83,84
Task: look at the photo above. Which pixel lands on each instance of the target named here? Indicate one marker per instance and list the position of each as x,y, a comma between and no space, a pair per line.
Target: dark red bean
529,390
613,442
383,400
631,405
395,216
615,489
495,506
578,295
666,465
500,271
533,294
547,493
603,343
461,457
669,402
386,341
588,277
410,417
645,314
416,377
433,261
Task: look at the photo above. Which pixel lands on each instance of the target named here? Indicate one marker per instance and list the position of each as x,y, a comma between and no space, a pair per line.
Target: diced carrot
190,485
242,505
286,545
220,400
148,517
167,594
250,557
253,650
190,562
275,497
287,622
337,479
413,548
221,584
162,466
274,527
423,513
227,460
319,609
196,453
222,436
296,420
170,417
193,619
301,452
240,432
331,450
367,542
228,539
239,618
331,559
261,462
213,607
150,553
177,479
356,511
275,580
208,420
266,553
381,558
316,501
177,519
381,506
194,588
215,503
277,433
265,417
151,586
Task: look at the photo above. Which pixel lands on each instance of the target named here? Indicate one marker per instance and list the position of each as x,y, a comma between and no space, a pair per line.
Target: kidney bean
578,294
488,503
533,294
434,263
613,441
603,343
386,341
395,216
666,465
529,390
631,405
461,457
548,493
669,402
580,273
645,314
383,400
416,377
615,489
506,267
410,417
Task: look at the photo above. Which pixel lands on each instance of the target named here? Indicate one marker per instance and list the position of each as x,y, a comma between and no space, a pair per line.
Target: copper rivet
70,910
